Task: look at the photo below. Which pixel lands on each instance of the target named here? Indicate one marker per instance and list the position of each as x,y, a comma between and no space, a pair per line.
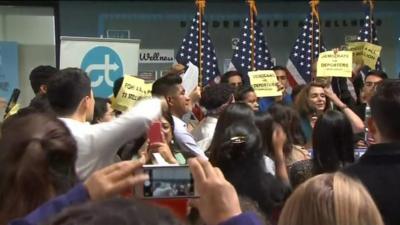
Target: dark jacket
379,171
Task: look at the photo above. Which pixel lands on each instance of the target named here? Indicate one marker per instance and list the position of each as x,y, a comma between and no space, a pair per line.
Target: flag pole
314,11
253,11
201,4
371,10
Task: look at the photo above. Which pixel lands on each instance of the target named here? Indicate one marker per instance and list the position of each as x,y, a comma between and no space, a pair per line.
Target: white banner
103,59
156,56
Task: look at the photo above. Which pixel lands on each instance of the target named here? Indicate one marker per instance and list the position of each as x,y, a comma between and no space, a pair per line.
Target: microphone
13,100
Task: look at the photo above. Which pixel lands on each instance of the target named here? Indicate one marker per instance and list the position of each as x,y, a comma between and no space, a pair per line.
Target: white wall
33,29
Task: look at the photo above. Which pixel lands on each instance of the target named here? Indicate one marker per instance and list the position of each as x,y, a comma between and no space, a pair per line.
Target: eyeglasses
372,84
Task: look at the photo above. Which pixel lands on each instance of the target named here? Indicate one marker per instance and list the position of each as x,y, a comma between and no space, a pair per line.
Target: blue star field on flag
368,33
242,55
306,50
189,50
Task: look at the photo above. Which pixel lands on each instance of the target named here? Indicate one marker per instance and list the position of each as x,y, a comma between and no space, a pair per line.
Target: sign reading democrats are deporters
331,64
264,83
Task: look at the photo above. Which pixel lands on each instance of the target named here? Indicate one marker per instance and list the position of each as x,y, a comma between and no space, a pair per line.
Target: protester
170,87
247,95
372,79
102,111
233,78
332,148
71,97
283,85
378,168
39,79
215,98
333,199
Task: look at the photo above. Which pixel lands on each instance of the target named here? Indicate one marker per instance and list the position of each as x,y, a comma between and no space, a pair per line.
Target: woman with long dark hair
332,147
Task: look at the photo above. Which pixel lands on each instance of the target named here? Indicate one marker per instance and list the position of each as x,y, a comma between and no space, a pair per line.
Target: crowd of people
70,158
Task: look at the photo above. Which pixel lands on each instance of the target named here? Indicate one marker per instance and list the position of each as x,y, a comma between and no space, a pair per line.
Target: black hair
242,91
66,90
40,76
296,90
377,73
289,119
275,68
240,158
385,108
117,86
234,112
231,152
225,77
265,124
100,108
332,142
216,95
166,85
114,211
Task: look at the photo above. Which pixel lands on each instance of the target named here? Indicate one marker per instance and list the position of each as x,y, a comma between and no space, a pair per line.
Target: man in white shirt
170,87
71,97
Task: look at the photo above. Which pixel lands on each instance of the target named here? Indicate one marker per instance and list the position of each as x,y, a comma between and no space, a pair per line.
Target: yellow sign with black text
132,90
365,53
331,64
264,83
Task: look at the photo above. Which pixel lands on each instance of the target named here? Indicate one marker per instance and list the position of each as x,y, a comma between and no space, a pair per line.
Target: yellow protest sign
132,90
264,83
365,52
335,65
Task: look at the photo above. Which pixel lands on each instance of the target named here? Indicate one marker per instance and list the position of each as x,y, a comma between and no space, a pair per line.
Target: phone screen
168,182
155,134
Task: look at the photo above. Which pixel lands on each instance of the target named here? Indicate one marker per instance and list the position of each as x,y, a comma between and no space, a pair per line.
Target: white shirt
204,132
185,140
98,143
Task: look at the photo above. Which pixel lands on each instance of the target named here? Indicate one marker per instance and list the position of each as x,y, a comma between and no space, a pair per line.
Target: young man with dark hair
170,87
71,98
39,78
234,78
379,168
285,98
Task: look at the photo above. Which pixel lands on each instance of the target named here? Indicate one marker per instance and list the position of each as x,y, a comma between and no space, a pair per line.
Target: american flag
189,50
304,52
242,55
368,33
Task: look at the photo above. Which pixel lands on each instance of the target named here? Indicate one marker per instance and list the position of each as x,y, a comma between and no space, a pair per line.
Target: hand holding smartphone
167,182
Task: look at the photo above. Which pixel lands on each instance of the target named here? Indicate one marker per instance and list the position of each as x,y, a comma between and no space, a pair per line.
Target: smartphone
167,182
155,134
13,100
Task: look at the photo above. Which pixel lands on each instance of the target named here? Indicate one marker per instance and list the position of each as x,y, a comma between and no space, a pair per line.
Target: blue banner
8,68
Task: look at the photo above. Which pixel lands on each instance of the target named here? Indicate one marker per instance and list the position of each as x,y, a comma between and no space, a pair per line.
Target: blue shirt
266,102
